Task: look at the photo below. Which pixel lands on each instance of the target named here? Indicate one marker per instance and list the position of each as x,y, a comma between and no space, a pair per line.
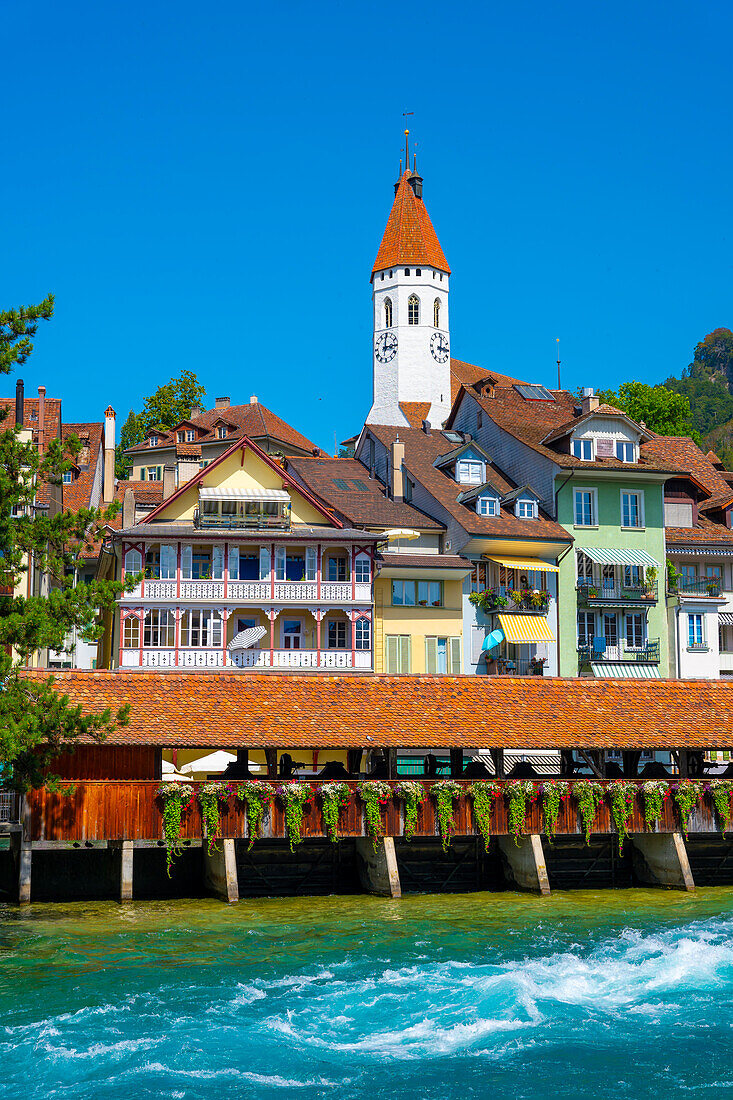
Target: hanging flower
553,791
334,796
519,792
685,793
210,795
720,791
413,795
176,798
294,797
374,793
484,793
445,792
255,794
653,793
589,795
621,795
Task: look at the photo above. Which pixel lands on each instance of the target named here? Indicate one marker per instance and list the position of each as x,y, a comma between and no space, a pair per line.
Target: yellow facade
425,627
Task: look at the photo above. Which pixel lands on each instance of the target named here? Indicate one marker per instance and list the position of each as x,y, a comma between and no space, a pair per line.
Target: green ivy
720,792
374,793
518,793
333,797
484,792
412,794
445,792
621,796
685,794
553,792
173,795
255,794
294,797
209,796
653,794
589,795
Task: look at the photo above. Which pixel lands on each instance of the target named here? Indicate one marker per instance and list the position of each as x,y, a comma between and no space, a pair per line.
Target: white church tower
411,346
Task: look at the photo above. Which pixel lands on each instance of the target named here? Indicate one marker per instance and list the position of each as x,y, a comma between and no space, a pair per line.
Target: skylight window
534,393
359,485
340,483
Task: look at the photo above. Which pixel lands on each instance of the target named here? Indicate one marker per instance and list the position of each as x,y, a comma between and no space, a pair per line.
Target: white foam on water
273,1080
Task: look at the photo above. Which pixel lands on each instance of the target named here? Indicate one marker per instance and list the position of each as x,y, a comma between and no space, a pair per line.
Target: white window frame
594,505
632,617
639,494
581,444
300,634
493,510
696,643
471,471
131,632
363,569
334,625
206,624
363,633
524,503
623,444
133,561
452,647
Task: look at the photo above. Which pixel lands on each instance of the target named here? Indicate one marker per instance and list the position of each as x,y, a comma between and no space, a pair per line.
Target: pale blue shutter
454,656
280,563
186,562
264,564
310,563
217,562
234,563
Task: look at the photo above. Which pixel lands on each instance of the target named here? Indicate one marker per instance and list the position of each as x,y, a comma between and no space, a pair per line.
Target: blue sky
205,187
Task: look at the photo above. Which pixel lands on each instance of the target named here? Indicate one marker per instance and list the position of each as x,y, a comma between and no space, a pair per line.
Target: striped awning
606,670
244,494
603,555
528,564
725,618
525,628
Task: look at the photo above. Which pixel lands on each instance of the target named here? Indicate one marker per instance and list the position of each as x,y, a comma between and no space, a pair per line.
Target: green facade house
597,478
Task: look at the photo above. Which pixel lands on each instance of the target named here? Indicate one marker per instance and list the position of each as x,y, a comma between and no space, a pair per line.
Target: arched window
436,313
413,310
388,312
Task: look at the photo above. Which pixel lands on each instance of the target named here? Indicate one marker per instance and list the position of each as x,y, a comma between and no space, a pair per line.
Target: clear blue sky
204,186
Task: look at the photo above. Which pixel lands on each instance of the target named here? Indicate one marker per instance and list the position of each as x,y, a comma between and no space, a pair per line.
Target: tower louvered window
388,312
413,310
436,313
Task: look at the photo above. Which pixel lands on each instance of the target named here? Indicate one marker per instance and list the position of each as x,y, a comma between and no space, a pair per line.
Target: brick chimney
41,417
169,481
590,401
19,403
398,457
222,403
108,479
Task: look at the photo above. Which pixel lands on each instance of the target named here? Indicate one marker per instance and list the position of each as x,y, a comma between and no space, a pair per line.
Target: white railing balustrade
247,658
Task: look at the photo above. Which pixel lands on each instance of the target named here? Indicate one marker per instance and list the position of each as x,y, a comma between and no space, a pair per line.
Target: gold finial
557,341
407,151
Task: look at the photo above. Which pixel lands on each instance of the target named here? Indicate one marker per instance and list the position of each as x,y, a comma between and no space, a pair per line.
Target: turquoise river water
609,994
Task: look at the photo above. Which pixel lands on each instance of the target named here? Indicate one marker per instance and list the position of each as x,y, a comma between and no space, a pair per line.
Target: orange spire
409,238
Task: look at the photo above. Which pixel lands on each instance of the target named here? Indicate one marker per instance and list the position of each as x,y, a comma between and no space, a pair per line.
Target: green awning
618,556
636,671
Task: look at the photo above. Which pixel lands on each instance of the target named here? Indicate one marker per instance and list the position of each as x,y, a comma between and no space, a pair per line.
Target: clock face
386,347
439,348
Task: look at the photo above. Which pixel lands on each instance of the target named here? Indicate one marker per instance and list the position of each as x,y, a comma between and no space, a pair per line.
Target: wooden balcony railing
130,810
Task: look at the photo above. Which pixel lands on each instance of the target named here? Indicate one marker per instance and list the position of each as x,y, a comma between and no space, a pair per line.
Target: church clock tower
411,344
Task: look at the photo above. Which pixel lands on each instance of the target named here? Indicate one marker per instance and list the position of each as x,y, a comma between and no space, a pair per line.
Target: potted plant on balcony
673,577
537,666
650,582
537,598
516,597
591,592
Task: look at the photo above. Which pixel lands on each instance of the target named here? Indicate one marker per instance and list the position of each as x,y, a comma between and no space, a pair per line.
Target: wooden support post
126,858
497,756
684,770
456,763
271,758
378,871
591,762
525,864
391,758
220,871
353,761
660,859
24,872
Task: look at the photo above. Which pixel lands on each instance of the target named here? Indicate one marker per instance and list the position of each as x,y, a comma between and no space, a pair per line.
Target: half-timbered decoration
241,567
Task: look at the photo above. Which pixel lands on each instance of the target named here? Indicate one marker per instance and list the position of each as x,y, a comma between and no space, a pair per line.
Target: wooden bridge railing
129,810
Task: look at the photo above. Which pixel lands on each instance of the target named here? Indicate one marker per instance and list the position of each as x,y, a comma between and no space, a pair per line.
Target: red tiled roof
684,453
363,507
532,422
415,412
421,451
239,709
467,374
51,416
253,420
409,237
704,531
78,493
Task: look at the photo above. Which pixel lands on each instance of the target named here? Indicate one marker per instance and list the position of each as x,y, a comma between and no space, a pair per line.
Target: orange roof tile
238,709
409,237
78,493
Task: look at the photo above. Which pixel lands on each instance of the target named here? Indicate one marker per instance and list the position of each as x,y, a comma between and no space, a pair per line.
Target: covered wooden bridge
358,726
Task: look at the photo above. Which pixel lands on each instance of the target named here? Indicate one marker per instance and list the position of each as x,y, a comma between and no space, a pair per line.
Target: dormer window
153,441
526,509
68,477
221,432
487,506
469,472
583,449
181,436
625,451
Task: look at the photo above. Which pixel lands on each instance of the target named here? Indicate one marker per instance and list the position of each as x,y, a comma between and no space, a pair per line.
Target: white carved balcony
252,592
249,658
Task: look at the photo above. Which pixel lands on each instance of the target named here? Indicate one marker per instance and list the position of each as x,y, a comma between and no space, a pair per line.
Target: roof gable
245,464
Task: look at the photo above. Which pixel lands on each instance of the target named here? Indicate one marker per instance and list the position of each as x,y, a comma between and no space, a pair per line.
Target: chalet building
177,455
241,567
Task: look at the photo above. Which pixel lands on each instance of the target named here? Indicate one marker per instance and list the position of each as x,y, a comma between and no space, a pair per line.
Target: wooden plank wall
129,810
109,762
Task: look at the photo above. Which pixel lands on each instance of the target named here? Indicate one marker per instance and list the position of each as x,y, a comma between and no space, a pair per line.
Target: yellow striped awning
533,564
525,628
